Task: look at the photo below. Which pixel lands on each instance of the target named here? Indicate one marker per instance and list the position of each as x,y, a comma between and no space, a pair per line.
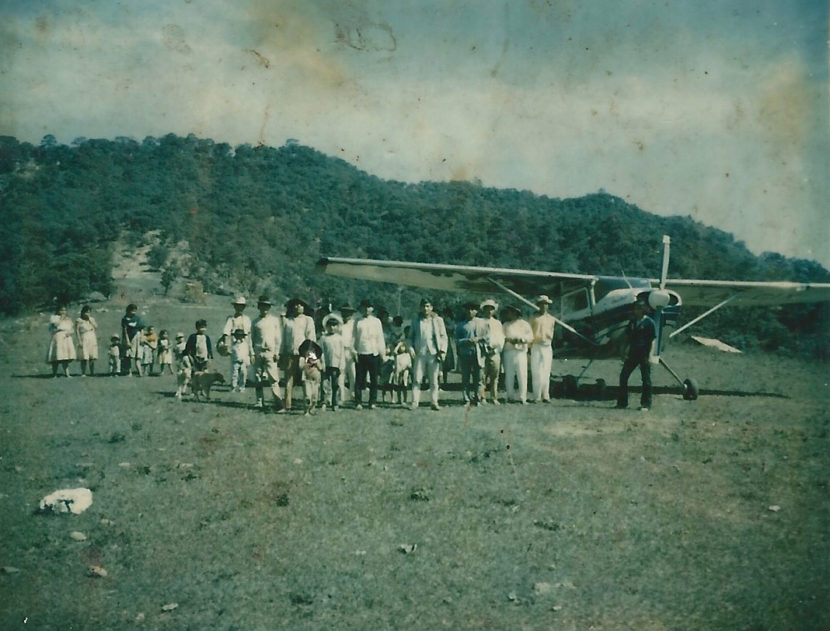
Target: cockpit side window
574,301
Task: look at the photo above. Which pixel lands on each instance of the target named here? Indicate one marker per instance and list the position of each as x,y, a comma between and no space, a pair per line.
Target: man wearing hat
266,341
541,350
428,347
369,345
469,332
641,334
236,321
491,348
298,328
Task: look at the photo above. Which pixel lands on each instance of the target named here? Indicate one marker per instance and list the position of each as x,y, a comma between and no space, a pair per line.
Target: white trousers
429,365
515,367
351,373
541,360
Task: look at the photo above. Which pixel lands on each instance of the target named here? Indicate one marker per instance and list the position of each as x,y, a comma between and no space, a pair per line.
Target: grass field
712,514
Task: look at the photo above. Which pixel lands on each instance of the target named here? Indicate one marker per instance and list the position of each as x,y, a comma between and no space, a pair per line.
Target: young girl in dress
87,340
165,354
62,344
149,343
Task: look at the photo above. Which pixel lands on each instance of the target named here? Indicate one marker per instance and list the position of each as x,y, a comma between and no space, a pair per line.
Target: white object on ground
74,501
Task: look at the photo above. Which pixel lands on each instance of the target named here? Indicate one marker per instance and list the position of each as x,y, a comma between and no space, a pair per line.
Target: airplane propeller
659,299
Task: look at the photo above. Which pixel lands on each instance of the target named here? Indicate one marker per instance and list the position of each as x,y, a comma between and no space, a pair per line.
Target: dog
311,382
201,383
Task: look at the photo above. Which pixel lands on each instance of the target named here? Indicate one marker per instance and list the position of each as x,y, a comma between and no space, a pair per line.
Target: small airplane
593,310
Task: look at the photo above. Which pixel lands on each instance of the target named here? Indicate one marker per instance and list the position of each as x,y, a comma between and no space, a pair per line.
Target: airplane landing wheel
690,390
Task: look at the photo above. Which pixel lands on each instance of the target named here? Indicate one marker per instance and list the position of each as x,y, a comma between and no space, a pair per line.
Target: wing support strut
535,308
703,315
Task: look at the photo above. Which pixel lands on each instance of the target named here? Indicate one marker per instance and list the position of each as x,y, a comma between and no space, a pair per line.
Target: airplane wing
485,280
748,294
460,278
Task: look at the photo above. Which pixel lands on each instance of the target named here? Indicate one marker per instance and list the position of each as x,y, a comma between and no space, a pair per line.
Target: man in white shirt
541,350
236,321
350,372
369,345
491,349
517,338
428,346
266,341
298,328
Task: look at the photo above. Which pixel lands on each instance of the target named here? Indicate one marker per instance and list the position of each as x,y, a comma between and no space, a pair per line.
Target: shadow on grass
594,392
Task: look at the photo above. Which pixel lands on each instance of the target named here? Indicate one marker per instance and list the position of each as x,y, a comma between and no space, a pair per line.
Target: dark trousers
331,377
367,365
470,377
645,372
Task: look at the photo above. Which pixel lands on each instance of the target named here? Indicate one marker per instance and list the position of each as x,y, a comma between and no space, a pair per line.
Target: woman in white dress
87,340
62,342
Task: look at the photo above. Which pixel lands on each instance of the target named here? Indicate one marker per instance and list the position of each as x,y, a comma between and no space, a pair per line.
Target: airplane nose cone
659,298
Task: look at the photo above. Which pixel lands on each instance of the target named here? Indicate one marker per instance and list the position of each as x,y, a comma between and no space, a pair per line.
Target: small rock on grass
96,571
77,536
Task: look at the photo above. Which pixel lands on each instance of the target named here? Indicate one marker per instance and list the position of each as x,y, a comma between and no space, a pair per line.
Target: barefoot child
184,365
165,354
149,344
240,360
114,355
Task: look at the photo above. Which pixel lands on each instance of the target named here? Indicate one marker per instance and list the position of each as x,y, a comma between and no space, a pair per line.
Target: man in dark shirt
641,333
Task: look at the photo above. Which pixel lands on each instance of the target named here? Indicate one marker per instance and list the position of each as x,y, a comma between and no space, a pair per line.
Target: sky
715,109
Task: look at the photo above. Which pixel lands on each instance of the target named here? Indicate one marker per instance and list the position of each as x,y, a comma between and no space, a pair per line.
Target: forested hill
256,219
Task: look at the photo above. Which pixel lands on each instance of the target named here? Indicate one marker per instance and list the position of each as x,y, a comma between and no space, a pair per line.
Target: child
165,355
240,360
149,344
114,354
334,361
184,366
199,347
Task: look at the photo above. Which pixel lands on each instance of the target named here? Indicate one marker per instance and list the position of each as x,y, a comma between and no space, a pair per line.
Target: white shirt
347,332
495,334
296,331
368,336
237,322
240,350
517,330
334,354
266,334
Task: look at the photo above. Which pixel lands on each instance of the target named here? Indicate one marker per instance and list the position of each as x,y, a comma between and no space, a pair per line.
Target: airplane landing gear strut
690,389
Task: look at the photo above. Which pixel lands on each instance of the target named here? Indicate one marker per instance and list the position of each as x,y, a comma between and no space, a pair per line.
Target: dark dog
202,382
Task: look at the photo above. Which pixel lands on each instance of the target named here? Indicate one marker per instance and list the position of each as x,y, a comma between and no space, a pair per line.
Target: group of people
358,349
136,350
355,348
